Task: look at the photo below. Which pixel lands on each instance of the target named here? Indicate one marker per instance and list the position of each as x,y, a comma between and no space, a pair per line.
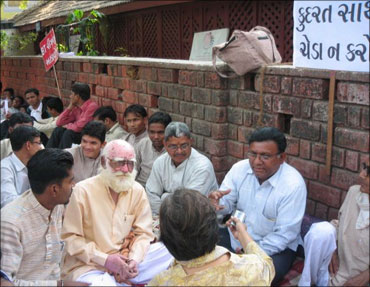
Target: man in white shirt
181,167
25,141
271,193
54,107
108,117
36,108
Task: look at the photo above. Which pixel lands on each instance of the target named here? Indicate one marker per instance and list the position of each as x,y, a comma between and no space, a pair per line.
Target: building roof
58,8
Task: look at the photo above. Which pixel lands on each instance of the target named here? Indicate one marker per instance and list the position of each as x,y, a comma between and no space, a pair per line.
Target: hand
334,263
74,283
238,229
117,264
132,265
215,196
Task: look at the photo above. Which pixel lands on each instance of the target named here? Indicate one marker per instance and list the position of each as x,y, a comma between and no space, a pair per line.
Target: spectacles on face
263,157
366,168
39,143
121,163
173,147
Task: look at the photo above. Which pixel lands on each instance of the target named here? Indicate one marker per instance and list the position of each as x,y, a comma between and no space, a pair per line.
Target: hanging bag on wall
246,51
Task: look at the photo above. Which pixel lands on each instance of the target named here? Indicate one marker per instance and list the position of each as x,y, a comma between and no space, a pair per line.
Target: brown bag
246,51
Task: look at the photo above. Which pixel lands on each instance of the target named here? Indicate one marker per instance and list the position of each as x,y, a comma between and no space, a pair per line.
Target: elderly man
271,193
31,225
349,262
105,212
181,167
87,155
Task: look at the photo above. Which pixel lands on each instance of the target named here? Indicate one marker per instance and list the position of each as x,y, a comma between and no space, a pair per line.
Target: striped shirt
31,248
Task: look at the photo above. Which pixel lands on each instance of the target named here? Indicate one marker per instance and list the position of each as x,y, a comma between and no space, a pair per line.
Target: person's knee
321,231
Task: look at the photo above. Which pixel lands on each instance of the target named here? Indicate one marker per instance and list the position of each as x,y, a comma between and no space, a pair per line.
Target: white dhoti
156,260
319,245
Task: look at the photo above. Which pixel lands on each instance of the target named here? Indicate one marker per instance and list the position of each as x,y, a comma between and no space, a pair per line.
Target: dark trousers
63,138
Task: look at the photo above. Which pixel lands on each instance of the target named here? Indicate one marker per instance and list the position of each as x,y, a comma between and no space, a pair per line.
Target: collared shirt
14,179
274,209
116,132
83,167
6,148
31,248
254,268
196,172
94,226
146,154
353,244
36,113
134,140
46,126
76,118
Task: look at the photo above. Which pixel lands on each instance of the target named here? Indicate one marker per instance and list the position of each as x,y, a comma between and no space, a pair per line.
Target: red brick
121,83
83,78
105,80
214,81
77,67
351,161
165,104
167,75
365,118
130,97
106,102
354,93
343,178
138,86
308,169
310,207
271,120
119,107
154,88
113,93
292,146
311,88
247,118
201,127
235,115
364,158
305,129
321,211
244,134
148,100
124,70
100,91
235,149
215,147
305,149
333,213
220,163
271,84
200,79
93,79
188,78
219,131
215,114
147,73
72,76
352,139
86,67
325,194
112,70
354,116
232,132
220,176
220,98
286,105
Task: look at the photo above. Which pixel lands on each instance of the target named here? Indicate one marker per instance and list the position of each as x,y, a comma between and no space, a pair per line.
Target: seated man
71,122
181,167
15,120
271,193
31,225
103,211
150,148
36,108
25,142
55,108
108,116
348,261
135,119
87,155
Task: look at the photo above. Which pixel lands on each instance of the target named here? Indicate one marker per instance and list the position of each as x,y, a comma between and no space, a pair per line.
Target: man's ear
283,157
103,144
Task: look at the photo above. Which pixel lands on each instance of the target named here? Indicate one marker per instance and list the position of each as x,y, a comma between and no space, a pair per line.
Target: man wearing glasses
271,193
181,167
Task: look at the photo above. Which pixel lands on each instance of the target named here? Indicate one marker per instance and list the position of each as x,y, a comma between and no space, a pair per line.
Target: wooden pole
329,143
56,79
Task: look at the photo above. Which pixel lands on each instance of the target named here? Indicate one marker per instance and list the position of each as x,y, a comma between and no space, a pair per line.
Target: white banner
332,35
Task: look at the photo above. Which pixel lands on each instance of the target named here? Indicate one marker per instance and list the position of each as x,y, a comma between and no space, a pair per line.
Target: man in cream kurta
102,212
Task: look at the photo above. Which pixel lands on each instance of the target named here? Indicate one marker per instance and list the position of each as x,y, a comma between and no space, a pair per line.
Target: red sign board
49,50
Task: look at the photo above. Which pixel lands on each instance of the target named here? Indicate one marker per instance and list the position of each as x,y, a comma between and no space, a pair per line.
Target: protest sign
49,50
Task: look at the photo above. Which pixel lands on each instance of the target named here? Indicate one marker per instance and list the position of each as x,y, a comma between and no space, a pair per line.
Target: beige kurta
134,140
146,154
46,126
116,132
95,227
83,166
353,244
6,148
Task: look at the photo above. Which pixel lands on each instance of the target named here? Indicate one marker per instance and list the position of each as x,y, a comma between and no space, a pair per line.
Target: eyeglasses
366,168
173,147
39,143
263,157
120,163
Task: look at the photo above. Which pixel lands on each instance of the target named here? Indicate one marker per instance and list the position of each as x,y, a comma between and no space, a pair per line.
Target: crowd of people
86,201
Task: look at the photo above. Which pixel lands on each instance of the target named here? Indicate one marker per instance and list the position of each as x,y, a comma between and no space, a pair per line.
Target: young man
150,148
55,108
36,108
181,167
108,117
31,249
135,119
25,141
87,155
71,122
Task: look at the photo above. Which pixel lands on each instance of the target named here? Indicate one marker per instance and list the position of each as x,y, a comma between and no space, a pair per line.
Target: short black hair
161,118
21,135
105,112
55,103
94,129
21,99
11,92
269,134
48,166
188,224
82,90
32,90
137,110
19,118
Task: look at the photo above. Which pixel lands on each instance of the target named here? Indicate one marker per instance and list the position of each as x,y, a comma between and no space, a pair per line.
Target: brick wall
223,113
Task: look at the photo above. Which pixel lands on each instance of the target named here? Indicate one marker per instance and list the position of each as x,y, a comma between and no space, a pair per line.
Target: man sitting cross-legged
87,155
107,225
31,247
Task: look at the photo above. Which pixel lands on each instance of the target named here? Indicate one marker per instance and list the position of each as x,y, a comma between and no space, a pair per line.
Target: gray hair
176,129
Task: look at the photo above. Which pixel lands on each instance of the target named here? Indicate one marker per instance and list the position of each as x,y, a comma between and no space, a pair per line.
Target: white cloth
319,245
362,200
156,260
274,210
36,113
14,179
196,172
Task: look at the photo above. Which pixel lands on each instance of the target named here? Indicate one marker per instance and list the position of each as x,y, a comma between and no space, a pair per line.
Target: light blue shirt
274,209
14,179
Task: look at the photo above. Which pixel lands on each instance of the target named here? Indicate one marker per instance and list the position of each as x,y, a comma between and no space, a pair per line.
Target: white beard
118,181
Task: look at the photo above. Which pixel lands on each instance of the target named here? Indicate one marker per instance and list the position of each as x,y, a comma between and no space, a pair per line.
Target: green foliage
23,5
122,51
17,41
25,39
4,40
62,48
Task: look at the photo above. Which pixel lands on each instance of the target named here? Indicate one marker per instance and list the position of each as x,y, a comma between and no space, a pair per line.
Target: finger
227,191
220,207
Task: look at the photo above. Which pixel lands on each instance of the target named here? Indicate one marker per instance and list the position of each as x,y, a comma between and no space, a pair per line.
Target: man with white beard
108,226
